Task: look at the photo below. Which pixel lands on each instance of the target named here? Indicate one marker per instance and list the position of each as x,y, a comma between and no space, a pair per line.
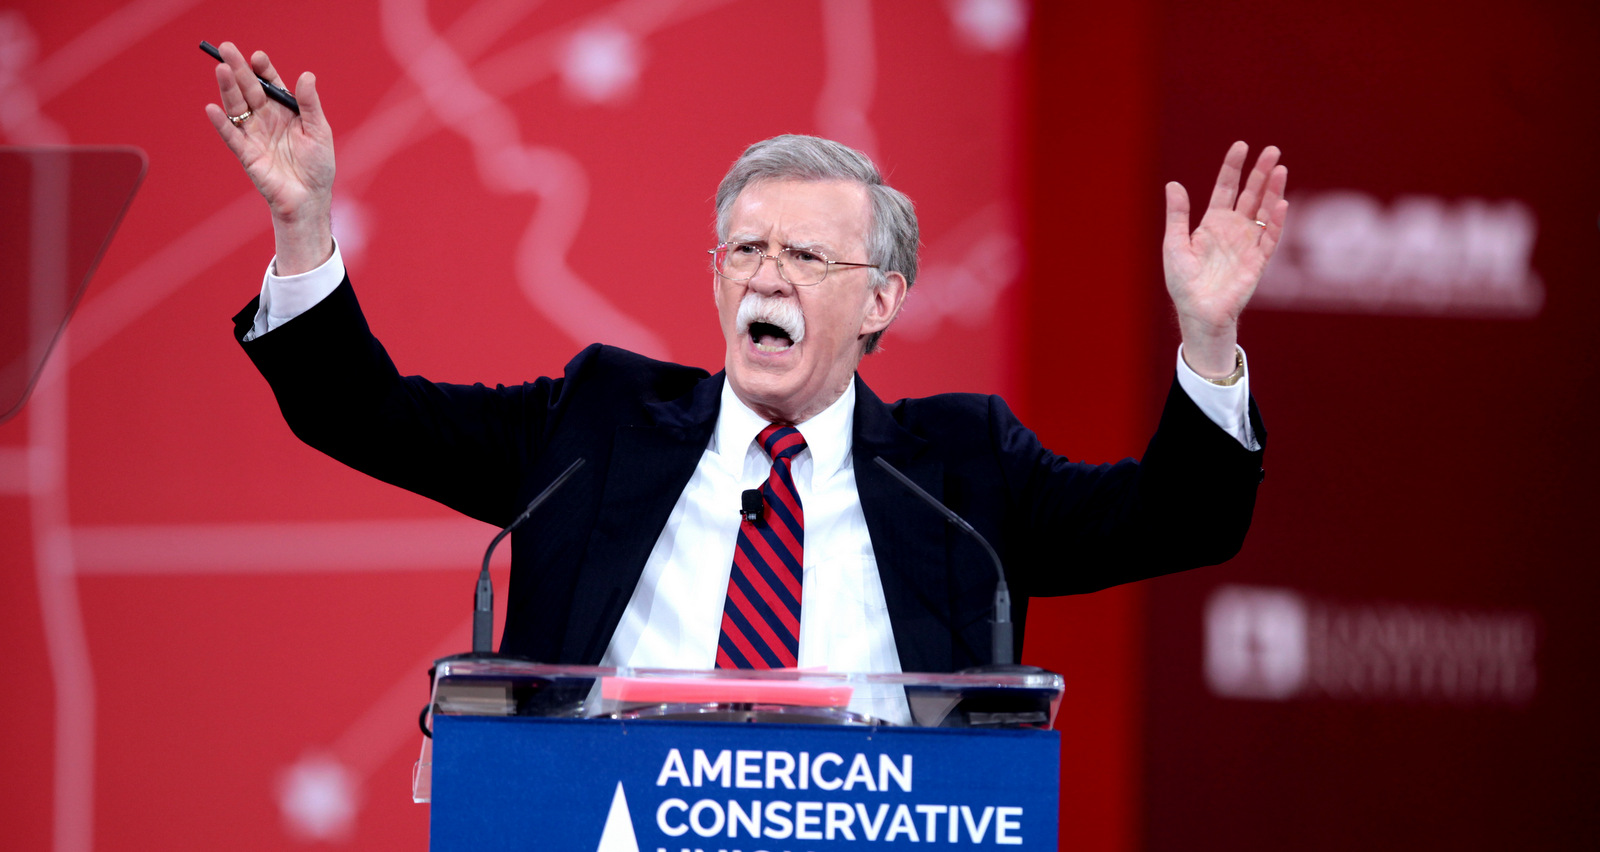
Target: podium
530,756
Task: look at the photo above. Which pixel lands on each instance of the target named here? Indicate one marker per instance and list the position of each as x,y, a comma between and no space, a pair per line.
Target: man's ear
886,303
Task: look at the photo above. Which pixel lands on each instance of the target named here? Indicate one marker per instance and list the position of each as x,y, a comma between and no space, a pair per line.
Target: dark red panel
1431,470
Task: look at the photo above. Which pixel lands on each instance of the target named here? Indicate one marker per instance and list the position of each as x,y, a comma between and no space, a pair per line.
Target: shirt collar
828,435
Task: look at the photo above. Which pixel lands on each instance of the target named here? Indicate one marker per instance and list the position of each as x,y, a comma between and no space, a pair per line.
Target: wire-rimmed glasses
798,266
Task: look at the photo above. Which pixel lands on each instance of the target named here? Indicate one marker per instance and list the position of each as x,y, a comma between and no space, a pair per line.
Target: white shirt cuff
1227,406
285,297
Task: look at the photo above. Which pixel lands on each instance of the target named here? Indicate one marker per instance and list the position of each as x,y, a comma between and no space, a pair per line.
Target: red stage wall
1401,658
219,638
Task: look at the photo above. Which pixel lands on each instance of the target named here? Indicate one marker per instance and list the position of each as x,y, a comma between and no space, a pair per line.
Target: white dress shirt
674,618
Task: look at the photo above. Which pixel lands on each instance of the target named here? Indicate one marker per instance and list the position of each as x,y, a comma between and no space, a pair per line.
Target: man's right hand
289,157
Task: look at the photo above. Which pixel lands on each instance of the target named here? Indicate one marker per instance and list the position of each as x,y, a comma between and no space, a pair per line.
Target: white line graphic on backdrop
404,119
20,119
66,641
993,25
850,71
319,794
38,468
389,544
976,261
555,178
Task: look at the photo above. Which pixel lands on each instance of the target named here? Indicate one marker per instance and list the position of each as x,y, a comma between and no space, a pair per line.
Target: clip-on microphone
751,505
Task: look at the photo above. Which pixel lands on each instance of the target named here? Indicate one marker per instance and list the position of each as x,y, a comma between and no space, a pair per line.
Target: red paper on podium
794,693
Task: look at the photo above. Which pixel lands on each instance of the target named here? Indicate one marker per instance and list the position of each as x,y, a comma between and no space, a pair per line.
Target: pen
276,93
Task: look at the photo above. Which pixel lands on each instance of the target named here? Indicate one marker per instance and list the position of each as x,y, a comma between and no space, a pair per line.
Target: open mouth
769,338
774,325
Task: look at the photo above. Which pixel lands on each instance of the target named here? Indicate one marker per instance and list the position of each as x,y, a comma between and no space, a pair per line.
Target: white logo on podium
618,833
1255,643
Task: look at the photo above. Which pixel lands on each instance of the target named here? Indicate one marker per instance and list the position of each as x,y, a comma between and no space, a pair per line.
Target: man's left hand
1212,272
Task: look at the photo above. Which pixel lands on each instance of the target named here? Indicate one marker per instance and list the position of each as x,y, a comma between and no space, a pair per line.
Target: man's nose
769,276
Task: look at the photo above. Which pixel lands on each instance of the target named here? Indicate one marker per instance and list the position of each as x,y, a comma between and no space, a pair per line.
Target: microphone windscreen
750,504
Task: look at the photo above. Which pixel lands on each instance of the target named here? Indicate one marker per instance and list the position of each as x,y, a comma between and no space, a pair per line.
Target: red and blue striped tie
761,619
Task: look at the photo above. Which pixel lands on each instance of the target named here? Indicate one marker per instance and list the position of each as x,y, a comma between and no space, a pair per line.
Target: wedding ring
1258,221
238,120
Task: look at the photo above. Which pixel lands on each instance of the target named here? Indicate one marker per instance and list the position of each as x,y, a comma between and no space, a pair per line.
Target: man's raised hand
1212,272
288,157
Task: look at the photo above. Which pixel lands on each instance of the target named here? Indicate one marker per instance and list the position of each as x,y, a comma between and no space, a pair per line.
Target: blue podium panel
611,786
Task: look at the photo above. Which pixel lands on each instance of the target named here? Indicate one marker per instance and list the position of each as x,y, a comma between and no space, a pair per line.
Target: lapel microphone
751,505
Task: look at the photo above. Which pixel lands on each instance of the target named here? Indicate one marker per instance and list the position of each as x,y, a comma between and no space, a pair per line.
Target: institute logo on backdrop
1255,643
1273,644
1345,251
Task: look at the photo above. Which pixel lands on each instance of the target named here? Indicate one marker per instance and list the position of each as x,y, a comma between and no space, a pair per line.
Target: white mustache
783,313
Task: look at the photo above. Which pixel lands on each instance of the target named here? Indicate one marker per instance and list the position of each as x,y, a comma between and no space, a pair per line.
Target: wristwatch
1232,378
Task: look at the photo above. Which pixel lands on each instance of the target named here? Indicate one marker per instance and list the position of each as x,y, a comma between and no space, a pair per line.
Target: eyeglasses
800,267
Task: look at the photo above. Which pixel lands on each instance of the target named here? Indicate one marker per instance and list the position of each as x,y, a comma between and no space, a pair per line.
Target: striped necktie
761,618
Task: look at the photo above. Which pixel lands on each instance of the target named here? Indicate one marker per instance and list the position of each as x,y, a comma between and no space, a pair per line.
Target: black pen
277,93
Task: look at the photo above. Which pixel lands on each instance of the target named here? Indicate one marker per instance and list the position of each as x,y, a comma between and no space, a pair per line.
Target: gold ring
238,120
1258,221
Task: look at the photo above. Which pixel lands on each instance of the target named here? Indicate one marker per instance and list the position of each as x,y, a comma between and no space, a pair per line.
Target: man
643,560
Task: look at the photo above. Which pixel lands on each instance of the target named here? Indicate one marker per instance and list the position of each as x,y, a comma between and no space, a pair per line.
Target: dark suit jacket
1059,527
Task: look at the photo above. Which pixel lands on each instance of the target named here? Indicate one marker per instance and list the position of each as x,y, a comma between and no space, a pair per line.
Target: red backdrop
1418,589
219,637
222,636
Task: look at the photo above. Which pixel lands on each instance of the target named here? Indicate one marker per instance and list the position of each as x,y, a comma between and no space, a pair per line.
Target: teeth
762,347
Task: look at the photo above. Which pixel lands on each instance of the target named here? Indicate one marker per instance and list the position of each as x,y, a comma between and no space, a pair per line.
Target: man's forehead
801,211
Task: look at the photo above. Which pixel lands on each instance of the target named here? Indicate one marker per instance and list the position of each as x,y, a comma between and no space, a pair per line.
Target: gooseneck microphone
483,599
1000,628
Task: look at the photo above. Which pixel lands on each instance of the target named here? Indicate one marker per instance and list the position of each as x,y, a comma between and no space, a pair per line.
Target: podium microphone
1000,627
483,598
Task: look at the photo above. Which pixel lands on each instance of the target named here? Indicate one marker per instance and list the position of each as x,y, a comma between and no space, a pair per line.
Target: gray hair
892,237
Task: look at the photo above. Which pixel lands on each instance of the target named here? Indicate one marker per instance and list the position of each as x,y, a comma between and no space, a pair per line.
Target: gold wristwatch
1232,378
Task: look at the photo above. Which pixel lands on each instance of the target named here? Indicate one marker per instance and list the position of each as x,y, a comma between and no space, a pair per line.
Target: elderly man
647,558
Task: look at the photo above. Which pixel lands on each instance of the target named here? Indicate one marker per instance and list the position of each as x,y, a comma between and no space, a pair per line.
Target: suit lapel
651,464
909,539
